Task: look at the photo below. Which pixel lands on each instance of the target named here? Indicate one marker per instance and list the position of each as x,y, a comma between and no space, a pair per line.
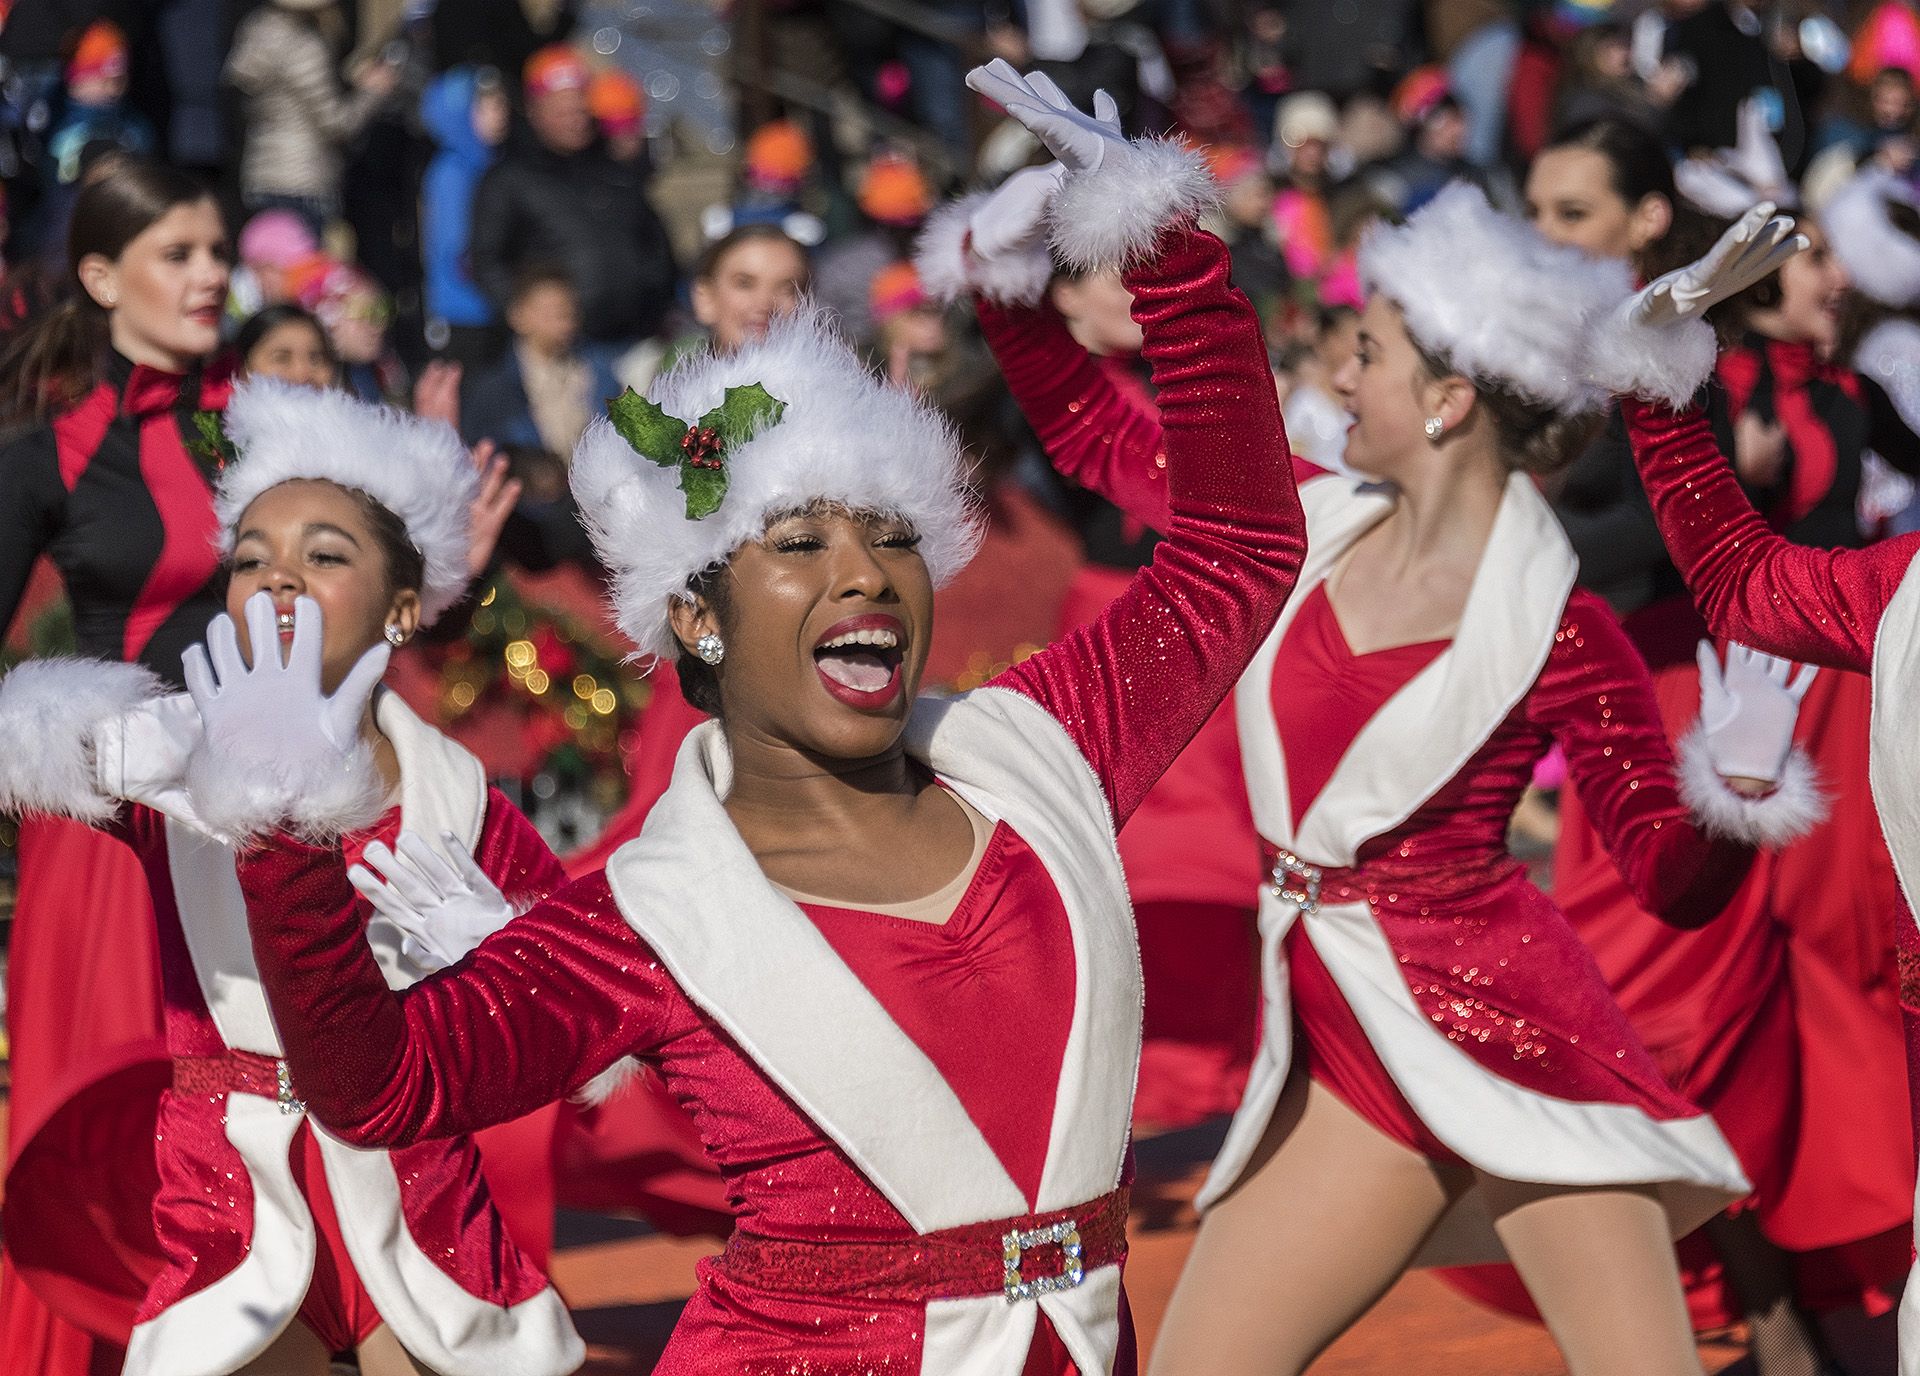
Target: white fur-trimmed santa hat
1882,259
1499,302
842,437
417,469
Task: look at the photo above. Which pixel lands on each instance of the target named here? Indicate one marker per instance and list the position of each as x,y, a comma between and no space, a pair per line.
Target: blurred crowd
501,212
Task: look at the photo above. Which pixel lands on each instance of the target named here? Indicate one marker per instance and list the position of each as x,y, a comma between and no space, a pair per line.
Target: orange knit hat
779,156
894,192
556,67
616,101
101,52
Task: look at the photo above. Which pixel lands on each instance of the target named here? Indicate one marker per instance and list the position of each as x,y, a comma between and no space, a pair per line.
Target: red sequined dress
1489,1034
231,1218
1855,609
874,1183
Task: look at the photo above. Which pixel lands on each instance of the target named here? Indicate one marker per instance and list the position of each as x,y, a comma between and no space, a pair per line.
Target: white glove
275,730
1748,710
442,905
1756,245
1082,143
1756,153
1013,219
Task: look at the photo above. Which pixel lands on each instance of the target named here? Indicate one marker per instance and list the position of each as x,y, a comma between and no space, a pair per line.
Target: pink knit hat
277,239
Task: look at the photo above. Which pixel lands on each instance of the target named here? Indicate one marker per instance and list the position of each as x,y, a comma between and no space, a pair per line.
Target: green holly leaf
742,413
210,440
706,488
651,432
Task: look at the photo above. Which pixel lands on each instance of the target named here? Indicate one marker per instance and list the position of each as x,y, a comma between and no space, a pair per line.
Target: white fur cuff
608,1082
238,795
949,271
1666,363
1793,809
1113,216
49,711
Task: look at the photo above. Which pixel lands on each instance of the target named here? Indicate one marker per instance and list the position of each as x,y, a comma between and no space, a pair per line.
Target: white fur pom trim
49,711
845,438
608,1082
417,469
1882,259
1793,809
1112,216
1493,298
949,271
1668,363
240,796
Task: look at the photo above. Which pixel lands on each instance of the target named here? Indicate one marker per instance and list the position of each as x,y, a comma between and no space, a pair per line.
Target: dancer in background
1856,609
279,1246
100,478
784,552
1780,1019
1466,1086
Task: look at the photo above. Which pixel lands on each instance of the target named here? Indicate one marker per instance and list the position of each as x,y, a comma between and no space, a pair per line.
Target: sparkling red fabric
568,987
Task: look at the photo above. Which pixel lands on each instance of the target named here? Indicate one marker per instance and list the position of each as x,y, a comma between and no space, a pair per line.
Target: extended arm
1752,584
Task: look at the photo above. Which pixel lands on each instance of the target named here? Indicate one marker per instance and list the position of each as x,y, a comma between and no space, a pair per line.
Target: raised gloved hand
1013,219
1082,142
439,903
1758,243
1748,710
276,749
1755,155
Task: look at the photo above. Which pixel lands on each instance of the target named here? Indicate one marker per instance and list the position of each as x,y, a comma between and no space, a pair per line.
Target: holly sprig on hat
701,450
209,439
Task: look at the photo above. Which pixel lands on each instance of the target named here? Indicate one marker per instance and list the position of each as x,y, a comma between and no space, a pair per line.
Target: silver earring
1434,426
395,636
710,648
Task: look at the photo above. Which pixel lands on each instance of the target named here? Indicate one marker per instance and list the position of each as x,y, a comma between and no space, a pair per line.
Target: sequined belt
237,1072
1308,886
1020,1258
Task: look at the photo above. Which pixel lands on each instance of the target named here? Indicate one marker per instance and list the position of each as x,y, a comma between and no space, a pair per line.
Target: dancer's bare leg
298,1351
1325,1220
1599,1265
382,1355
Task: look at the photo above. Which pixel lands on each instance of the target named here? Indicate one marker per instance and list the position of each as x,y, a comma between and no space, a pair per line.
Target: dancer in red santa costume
1466,1087
282,1246
1853,609
880,947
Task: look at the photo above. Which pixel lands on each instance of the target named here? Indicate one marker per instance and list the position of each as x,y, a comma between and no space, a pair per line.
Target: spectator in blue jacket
465,112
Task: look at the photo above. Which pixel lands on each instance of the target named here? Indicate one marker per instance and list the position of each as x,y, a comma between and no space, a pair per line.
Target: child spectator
355,313
910,329
546,387
96,90
465,112
285,342
272,245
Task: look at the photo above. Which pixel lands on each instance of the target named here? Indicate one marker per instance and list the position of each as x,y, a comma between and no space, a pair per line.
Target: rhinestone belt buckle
1307,896
1066,1233
283,1090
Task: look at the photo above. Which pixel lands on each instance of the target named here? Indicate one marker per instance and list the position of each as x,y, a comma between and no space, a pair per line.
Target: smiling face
1813,288
308,538
827,620
167,288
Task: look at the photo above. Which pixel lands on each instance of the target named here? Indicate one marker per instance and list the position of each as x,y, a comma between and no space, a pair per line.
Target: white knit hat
1494,298
834,434
1882,259
417,469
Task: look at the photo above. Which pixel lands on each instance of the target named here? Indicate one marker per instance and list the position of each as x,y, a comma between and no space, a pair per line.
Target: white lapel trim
1432,727
747,955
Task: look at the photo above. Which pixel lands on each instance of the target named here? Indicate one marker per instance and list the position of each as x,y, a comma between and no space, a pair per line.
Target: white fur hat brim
417,469
844,438
1486,292
1882,259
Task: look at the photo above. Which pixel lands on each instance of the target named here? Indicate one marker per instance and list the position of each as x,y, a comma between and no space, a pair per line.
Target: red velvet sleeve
1596,698
542,1005
1136,684
1094,433
1753,585
515,856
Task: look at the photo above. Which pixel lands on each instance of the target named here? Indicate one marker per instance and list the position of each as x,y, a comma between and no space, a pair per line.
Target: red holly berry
702,447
